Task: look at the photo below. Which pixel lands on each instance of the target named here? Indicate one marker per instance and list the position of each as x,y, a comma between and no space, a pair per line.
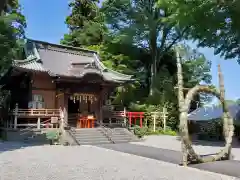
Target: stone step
122,141
121,134
124,133
88,134
88,129
90,137
97,136
99,133
94,143
92,140
125,138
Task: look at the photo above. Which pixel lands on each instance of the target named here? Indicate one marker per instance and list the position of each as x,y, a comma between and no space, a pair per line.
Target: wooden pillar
135,119
130,119
164,118
39,123
62,125
100,104
154,121
62,116
16,116
7,123
125,117
65,109
141,120
65,116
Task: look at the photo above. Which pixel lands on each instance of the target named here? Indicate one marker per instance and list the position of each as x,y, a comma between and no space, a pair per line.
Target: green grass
161,132
144,131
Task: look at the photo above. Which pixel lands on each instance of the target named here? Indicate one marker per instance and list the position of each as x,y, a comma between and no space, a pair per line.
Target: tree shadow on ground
15,145
11,146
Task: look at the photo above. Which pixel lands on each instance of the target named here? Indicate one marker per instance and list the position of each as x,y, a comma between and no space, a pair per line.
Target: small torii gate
134,116
163,115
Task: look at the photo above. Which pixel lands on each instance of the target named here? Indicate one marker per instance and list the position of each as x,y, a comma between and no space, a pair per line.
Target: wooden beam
44,89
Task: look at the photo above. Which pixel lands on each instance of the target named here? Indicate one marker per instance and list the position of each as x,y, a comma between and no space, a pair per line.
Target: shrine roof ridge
65,48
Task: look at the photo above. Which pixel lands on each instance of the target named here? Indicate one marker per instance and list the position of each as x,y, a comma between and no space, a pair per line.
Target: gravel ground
171,142
88,162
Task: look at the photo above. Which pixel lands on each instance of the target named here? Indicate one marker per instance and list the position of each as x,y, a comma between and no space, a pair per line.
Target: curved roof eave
104,68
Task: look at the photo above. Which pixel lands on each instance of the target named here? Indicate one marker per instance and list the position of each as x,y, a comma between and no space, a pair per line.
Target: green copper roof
60,60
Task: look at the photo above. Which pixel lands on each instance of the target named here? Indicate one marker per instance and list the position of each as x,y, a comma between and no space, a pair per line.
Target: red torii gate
134,116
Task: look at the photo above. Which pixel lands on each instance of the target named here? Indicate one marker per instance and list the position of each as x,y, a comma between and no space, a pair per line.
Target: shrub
140,132
53,136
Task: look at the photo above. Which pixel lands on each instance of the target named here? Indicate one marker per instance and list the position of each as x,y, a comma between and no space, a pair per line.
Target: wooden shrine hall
54,77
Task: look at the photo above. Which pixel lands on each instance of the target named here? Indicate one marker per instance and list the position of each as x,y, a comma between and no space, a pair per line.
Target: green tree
238,101
143,24
212,24
85,23
12,24
6,4
197,70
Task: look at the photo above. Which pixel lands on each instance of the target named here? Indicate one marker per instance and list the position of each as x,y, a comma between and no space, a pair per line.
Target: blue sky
45,19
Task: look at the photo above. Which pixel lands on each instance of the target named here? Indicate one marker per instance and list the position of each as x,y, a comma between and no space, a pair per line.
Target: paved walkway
201,147
144,149
89,163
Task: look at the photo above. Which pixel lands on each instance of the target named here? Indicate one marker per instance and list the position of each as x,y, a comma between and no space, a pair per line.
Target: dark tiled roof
61,60
214,112
31,64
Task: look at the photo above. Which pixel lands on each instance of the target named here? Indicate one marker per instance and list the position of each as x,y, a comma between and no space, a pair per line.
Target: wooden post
124,117
101,98
164,118
154,121
15,116
39,123
62,115
65,116
141,120
130,119
7,124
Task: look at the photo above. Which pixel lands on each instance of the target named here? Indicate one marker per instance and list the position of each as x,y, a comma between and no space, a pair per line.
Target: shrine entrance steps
102,135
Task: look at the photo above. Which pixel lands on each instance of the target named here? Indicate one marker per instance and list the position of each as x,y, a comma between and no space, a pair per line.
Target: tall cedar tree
85,24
